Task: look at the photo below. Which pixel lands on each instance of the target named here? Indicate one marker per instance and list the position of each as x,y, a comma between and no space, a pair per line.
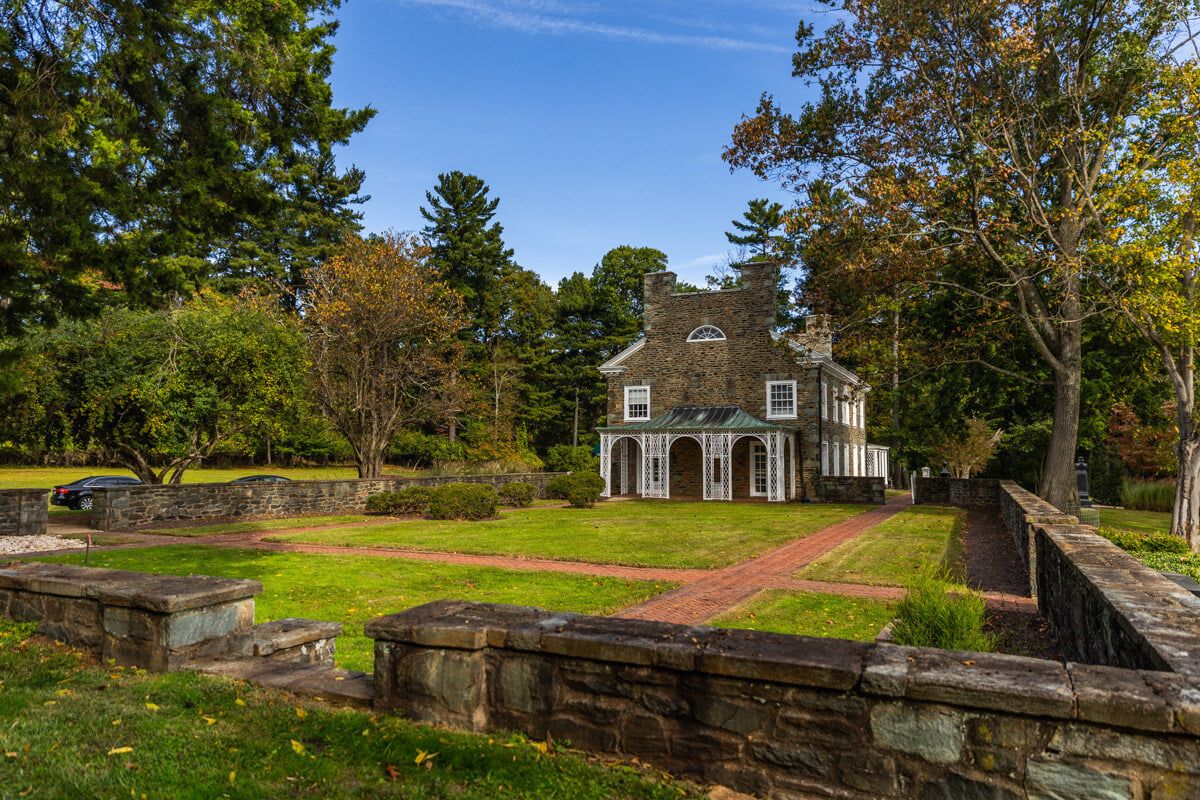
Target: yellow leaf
297,747
240,701
232,778
210,720
118,750
301,713
152,706
422,756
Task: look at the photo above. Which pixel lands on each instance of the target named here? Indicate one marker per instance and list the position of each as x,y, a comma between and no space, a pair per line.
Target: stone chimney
760,280
656,288
817,335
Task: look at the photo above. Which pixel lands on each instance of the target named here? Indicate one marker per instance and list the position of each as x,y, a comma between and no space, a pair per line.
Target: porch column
606,463
774,442
706,466
727,450
623,455
791,470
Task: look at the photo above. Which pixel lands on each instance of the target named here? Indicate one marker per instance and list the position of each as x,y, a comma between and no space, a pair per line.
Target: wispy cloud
560,19
700,263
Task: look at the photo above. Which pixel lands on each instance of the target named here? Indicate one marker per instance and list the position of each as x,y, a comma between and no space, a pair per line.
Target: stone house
713,402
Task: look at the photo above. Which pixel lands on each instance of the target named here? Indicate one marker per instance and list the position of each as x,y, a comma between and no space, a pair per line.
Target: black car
78,495
258,478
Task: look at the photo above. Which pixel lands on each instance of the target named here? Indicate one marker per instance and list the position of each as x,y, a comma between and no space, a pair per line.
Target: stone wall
119,507
957,491
792,716
155,622
852,490
1021,510
23,511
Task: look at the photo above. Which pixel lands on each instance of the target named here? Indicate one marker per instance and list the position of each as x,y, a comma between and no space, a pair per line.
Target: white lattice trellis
656,465
606,443
623,460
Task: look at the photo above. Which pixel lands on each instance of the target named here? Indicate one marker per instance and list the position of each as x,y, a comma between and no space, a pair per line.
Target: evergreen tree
760,231
467,251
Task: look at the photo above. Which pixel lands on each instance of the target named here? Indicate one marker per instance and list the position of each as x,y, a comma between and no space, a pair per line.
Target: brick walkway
721,590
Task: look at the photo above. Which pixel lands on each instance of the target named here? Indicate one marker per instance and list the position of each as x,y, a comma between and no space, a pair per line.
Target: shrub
463,501
580,489
413,500
517,494
936,614
381,503
1148,495
564,458
1139,543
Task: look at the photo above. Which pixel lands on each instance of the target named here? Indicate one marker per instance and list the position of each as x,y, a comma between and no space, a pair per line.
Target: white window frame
693,338
628,415
824,400
825,466
770,407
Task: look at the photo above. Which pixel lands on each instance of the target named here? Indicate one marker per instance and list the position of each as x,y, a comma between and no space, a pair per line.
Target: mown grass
255,526
68,730
638,533
1136,521
352,589
917,538
810,614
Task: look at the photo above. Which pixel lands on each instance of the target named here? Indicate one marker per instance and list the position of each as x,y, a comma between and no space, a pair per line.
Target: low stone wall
156,622
792,716
1021,510
957,491
23,511
845,489
1110,608
119,507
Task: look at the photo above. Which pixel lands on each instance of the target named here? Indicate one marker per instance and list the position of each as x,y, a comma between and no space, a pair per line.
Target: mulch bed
990,563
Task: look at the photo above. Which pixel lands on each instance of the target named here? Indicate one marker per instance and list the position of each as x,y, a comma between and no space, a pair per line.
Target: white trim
613,365
795,400
629,418
827,364
824,399
759,448
692,336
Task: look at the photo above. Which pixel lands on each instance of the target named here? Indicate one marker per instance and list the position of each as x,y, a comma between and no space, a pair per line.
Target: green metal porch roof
692,418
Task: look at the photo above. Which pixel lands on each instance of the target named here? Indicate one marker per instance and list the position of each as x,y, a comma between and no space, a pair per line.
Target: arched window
706,333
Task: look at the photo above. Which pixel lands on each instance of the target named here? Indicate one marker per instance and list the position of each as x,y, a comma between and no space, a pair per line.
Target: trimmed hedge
517,494
413,500
580,489
463,501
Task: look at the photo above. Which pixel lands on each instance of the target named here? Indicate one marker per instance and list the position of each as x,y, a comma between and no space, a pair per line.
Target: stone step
306,641
308,680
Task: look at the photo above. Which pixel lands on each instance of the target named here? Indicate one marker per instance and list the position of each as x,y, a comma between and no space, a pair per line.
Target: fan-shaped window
706,333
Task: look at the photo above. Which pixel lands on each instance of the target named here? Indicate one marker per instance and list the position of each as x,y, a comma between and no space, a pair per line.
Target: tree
760,231
618,285
967,449
144,144
468,252
990,128
381,328
160,391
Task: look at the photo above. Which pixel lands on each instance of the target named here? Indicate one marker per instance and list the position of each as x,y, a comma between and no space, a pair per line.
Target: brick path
721,590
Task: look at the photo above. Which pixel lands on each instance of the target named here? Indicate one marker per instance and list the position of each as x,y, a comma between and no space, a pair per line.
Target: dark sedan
259,478
78,495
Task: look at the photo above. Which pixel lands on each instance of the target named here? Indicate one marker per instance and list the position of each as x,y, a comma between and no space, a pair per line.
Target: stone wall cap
283,634
1126,698
628,641
785,658
160,593
1015,684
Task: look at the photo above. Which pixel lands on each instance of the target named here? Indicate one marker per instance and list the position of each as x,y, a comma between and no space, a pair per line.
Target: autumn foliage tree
381,328
967,449
989,128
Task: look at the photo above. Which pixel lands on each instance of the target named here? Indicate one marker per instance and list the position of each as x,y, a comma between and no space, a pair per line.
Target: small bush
463,501
1148,495
580,489
935,613
517,494
413,500
564,458
381,503
1139,543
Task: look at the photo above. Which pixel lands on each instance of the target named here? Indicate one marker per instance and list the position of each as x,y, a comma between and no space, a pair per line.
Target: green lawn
1136,521
352,589
890,553
641,533
200,531
810,614
72,731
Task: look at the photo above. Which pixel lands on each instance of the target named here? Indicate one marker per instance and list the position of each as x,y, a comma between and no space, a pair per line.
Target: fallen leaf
297,747
152,706
210,720
240,701
118,750
301,713
392,772
423,757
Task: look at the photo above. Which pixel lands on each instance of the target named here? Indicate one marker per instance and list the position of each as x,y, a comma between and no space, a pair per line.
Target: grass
200,531
638,533
810,614
1148,495
936,613
917,538
352,589
1135,521
71,730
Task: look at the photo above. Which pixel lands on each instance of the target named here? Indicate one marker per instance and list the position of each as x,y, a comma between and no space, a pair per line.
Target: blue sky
597,124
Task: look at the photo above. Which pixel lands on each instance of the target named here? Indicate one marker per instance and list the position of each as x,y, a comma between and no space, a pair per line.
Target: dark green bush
580,489
463,501
564,458
381,503
517,494
1137,543
413,500
936,613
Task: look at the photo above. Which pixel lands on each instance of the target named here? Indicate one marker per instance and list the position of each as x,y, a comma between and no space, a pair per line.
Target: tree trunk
1185,516
1058,476
575,422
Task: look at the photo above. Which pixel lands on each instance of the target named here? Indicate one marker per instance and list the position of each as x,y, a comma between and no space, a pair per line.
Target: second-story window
781,399
637,402
706,333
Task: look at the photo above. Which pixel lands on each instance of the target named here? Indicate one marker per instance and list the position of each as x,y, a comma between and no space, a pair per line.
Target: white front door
758,470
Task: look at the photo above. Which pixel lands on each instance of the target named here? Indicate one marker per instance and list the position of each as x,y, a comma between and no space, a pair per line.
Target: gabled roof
695,418
826,363
613,365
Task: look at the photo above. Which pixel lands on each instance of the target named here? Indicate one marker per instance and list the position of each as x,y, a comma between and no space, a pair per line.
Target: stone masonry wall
852,490
119,507
1021,509
155,622
957,491
796,717
23,512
